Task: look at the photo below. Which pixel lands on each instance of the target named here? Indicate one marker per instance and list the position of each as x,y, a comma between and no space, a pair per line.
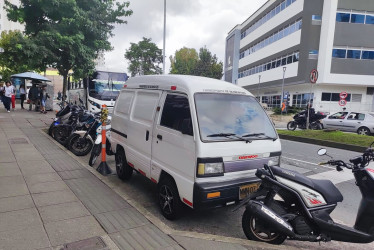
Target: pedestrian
33,95
59,95
1,91
22,93
13,97
43,98
7,98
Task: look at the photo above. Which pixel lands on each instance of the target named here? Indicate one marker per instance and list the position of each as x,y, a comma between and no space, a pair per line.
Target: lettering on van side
148,86
225,91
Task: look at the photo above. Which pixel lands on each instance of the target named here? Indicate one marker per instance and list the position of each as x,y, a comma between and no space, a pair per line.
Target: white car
360,122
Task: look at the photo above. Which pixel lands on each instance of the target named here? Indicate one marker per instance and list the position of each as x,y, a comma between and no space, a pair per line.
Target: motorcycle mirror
322,151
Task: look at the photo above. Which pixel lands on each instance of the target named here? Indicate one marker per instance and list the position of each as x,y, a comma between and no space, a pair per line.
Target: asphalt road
296,156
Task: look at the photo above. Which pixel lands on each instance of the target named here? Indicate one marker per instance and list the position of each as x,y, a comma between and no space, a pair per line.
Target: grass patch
334,136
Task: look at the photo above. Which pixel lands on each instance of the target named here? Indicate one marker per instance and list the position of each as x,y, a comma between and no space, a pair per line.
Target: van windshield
224,117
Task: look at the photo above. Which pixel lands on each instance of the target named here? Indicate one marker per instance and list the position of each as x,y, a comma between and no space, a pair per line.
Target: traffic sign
313,76
342,102
343,95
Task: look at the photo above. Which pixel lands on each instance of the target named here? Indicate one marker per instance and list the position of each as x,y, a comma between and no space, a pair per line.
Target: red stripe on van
153,180
130,164
142,172
187,202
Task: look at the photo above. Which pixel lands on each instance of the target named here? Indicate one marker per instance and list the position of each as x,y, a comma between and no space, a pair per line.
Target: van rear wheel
169,200
124,171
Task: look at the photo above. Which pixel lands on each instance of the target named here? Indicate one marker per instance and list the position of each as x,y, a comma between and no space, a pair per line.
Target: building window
343,17
369,19
356,18
272,101
316,17
339,53
356,97
267,16
333,97
368,55
301,100
355,54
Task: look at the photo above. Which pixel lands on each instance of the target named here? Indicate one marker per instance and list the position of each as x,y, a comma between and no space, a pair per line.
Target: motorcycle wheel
291,125
253,227
61,134
94,154
80,146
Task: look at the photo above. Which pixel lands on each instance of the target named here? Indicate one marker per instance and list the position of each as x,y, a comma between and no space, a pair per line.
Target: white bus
103,88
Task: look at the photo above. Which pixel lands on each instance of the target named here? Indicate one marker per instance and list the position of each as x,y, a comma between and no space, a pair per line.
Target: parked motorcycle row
79,130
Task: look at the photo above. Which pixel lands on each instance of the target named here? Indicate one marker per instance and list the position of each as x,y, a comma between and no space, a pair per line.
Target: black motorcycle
300,121
290,205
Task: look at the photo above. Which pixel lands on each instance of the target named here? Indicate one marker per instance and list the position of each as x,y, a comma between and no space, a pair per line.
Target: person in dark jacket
33,95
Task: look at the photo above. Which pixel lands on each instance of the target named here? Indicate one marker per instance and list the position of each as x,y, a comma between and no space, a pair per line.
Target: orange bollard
103,168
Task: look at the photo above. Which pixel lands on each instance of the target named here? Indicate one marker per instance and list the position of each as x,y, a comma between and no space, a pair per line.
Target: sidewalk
49,200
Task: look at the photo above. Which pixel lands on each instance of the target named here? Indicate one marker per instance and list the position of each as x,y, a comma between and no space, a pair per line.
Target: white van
201,140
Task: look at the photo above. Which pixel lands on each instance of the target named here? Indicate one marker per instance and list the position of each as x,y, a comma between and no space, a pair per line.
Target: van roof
184,83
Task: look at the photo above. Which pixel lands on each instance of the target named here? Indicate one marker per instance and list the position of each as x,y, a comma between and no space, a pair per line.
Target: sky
189,23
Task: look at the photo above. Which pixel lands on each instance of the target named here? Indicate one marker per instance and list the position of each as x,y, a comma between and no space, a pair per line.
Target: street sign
342,102
343,95
313,76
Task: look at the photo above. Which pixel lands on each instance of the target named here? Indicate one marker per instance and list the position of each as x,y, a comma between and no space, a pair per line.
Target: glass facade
266,17
272,101
275,63
333,97
350,53
347,17
288,30
301,100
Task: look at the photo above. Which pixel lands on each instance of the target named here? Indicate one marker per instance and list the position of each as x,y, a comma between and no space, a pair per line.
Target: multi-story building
285,40
5,24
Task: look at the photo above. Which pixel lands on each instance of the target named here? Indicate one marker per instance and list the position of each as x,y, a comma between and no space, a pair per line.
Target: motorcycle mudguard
81,133
98,139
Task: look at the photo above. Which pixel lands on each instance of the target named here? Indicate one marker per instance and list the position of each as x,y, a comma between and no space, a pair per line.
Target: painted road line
306,162
334,176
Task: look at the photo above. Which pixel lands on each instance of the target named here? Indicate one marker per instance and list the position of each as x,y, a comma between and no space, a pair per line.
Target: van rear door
139,137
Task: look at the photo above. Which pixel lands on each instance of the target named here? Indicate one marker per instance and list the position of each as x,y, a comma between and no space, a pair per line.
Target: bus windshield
106,85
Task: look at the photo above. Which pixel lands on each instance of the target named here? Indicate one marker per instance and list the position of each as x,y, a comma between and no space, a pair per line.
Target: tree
19,54
187,62
184,62
145,58
71,32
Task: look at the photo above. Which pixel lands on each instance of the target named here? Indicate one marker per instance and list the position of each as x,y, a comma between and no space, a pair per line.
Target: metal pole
282,93
163,51
310,95
258,91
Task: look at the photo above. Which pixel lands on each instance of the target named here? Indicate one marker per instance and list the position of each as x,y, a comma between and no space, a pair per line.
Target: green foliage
187,62
184,62
71,33
145,58
20,54
290,110
335,136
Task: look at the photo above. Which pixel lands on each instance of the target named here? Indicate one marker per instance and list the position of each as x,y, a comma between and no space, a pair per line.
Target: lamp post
258,90
163,51
282,93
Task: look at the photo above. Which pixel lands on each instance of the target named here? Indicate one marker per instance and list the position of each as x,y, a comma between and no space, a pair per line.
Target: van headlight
210,167
274,161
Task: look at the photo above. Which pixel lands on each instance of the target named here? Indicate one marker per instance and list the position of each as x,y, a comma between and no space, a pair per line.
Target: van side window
176,113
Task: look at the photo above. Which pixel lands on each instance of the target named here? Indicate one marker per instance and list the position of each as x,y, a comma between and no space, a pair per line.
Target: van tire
169,200
124,171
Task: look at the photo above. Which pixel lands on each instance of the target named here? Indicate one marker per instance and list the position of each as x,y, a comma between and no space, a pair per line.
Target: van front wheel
169,201
124,171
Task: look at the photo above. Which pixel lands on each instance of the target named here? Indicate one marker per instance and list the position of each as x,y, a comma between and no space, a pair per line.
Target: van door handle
159,137
147,135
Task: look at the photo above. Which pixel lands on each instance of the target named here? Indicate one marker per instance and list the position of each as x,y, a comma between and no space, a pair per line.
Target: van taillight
173,87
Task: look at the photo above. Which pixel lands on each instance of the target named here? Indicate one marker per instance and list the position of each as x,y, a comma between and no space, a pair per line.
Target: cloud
192,24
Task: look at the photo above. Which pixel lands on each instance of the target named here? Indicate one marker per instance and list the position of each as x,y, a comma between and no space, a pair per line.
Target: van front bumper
229,192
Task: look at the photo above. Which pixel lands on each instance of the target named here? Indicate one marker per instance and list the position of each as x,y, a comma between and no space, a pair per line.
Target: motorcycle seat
325,187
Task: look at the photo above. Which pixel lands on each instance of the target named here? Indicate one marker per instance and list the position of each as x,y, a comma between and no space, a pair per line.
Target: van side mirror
187,127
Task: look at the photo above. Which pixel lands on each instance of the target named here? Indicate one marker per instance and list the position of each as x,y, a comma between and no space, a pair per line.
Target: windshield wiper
258,135
228,135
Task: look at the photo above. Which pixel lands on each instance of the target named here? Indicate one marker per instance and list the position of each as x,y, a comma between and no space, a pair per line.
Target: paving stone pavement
48,199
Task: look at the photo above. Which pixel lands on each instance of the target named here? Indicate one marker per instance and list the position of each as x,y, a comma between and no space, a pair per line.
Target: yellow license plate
246,190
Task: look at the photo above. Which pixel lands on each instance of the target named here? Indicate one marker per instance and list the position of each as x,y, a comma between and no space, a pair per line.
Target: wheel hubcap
261,232
166,200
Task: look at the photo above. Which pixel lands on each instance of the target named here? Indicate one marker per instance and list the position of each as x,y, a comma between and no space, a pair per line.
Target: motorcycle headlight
210,167
274,161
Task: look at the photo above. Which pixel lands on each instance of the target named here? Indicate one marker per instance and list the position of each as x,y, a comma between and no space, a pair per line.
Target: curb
330,144
161,225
